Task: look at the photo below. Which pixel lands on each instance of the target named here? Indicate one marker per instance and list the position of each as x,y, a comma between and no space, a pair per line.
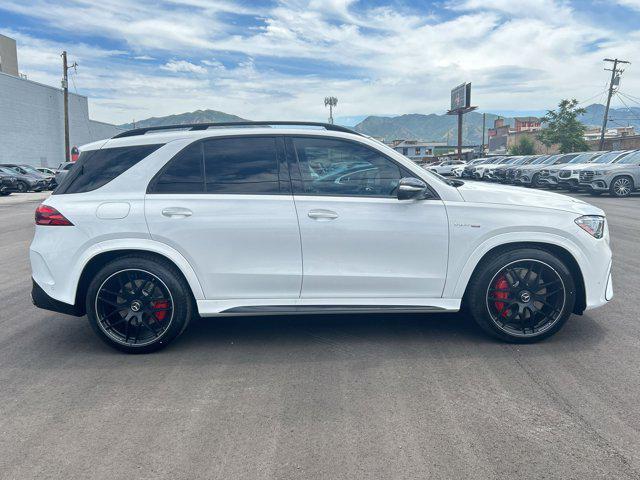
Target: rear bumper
41,300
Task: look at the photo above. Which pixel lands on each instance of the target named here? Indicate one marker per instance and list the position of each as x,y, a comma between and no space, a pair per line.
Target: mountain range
415,126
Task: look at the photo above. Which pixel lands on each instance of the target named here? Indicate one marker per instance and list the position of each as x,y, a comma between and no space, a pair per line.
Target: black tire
534,181
498,322
5,194
621,186
22,187
150,274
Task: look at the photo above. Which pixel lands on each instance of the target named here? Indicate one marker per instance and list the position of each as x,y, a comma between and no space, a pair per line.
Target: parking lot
361,396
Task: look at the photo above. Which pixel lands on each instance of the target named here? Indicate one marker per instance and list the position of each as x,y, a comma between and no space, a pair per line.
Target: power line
630,97
628,108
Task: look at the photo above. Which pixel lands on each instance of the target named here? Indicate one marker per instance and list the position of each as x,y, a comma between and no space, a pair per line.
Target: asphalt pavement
324,397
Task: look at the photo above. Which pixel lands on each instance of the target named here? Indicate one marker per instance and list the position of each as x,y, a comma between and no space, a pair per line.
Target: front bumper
550,181
595,186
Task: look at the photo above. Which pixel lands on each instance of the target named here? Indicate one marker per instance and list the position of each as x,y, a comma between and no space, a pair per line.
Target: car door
358,239
226,205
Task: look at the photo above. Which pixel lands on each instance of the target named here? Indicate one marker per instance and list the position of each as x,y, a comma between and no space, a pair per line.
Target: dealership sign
461,97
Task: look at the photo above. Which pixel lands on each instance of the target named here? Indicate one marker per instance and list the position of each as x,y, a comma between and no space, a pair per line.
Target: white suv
157,225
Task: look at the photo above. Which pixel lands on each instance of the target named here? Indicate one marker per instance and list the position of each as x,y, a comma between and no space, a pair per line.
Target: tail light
46,215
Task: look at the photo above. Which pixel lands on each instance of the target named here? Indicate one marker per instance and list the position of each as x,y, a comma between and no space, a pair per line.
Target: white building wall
32,122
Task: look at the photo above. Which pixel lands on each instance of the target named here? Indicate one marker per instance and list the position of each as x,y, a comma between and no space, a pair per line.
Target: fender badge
472,225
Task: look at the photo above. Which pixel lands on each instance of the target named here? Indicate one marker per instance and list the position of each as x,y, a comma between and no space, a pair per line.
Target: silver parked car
620,179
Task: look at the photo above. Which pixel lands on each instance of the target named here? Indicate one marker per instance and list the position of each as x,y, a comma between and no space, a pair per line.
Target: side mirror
412,188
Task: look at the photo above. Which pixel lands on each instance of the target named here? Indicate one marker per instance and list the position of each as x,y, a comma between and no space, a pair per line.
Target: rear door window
96,168
245,165
183,174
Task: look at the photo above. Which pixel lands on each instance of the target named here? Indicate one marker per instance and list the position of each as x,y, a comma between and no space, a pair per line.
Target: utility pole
65,90
484,121
330,102
615,81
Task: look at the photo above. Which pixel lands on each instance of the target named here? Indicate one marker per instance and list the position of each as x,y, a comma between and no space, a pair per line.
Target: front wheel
138,304
621,187
534,180
522,295
22,187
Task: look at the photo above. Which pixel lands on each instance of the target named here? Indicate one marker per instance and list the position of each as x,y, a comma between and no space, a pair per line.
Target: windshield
631,158
608,157
584,157
30,169
540,160
7,170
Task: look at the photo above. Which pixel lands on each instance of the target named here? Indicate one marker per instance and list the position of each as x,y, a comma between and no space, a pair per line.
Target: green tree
564,128
523,147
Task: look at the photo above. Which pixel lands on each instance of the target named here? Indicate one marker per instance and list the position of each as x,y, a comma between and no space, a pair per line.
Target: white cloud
376,60
183,66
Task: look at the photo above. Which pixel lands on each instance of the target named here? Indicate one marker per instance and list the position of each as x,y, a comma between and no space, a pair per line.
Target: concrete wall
630,142
32,122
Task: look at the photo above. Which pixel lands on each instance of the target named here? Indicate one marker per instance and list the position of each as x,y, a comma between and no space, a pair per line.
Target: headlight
592,224
598,172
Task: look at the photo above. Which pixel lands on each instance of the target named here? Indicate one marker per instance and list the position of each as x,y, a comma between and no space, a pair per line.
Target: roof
527,119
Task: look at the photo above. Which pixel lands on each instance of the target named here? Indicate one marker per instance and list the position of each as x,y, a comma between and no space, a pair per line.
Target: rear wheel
522,295
138,304
621,186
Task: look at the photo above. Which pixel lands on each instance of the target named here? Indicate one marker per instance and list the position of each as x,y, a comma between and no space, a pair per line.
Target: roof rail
205,126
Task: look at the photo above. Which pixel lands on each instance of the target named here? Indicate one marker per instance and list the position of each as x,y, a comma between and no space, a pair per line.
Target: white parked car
157,225
446,168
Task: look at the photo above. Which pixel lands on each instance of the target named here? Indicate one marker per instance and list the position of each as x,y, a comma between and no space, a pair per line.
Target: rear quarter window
96,168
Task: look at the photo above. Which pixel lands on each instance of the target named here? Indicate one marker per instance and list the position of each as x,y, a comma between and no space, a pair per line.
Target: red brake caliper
163,313
501,284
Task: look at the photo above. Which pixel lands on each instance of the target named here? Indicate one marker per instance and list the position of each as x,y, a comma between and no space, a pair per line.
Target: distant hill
199,116
414,126
618,117
432,127
441,128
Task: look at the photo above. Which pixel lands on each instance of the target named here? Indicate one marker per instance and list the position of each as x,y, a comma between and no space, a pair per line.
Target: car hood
573,166
534,167
519,196
610,168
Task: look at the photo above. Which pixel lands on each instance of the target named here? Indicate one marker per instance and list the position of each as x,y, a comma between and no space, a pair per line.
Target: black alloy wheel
134,307
526,297
521,295
139,303
22,187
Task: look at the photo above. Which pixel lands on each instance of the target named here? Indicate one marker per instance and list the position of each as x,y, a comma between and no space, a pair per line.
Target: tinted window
184,173
336,167
96,168
241,165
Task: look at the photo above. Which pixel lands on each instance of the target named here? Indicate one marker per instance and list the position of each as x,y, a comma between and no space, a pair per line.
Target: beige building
8,56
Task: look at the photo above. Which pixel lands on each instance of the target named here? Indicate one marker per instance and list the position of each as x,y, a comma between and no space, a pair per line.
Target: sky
279,59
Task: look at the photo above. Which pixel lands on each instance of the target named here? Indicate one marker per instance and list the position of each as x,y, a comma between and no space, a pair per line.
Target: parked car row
20,178
616,172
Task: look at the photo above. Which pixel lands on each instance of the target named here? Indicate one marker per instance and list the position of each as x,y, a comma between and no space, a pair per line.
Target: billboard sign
461,97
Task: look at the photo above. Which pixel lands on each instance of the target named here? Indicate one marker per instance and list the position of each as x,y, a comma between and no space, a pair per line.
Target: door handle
176,212
322,215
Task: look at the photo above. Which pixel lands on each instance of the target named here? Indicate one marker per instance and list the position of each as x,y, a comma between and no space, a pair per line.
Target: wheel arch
101,258
558,250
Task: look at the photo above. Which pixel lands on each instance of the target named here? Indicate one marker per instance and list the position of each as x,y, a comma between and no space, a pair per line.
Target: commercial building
32,118
504,136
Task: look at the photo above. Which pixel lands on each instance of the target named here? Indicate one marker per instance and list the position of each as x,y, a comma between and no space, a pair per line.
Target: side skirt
214,308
